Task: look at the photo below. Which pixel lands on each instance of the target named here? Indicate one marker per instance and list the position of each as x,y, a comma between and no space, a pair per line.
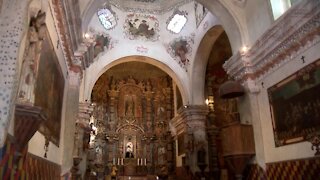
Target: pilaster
191,122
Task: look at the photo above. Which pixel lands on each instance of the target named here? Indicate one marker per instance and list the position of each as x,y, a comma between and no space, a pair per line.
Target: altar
132,128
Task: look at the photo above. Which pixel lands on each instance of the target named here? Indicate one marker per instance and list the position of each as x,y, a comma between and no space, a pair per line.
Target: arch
200,63
98,72
231,24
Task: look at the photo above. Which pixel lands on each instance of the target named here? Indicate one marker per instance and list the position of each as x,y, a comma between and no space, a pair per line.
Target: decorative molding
69,31
296,31
189,119
64,33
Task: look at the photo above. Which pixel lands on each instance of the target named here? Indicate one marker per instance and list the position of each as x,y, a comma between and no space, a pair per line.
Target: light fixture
86,35
244,49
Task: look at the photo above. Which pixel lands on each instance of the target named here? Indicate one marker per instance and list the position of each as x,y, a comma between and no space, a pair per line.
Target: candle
122,161
118,161
138,162
145,161
114,161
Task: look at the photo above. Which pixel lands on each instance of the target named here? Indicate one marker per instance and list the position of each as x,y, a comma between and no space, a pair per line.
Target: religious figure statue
99,154
129,107
129,150
31,60
114,171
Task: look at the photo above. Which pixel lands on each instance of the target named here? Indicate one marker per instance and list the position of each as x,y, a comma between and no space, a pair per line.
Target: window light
177,22
107,18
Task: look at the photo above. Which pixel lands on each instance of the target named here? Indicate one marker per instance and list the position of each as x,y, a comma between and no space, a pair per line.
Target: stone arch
200,63
181,86
230,22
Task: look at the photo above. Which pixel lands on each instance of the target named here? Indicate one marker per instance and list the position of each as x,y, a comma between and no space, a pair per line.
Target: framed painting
295,105
49,91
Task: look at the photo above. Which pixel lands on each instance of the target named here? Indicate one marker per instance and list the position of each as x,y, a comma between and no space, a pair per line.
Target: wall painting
49,91
295,105
141,27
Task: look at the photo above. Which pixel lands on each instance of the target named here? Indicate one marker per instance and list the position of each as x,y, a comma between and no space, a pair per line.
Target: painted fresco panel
49,91
295,105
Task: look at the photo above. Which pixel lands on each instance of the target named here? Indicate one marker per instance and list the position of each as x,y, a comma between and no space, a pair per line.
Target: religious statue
129,150
129,107
114,171
31,60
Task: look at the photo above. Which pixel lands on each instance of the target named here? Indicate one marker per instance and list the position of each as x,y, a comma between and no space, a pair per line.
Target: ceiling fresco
140,26
180,49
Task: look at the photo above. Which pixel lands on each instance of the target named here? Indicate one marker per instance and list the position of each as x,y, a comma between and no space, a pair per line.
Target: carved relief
30,64
140,110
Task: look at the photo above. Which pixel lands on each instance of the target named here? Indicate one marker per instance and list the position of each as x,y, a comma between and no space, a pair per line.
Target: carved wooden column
191,122
213,133
169,100
113,96
149,96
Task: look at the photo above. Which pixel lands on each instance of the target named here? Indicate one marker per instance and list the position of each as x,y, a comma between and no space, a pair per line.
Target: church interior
156,89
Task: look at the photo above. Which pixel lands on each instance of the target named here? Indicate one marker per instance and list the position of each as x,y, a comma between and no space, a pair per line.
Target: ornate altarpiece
132,118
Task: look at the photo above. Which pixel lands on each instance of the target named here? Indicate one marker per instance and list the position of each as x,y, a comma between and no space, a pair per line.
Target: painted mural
200,13
103,42
295,105
49,91
141,27
180,49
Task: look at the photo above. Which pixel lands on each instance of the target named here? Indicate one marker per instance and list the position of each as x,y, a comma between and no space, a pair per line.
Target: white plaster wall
287,152
36,147
36,144
258,16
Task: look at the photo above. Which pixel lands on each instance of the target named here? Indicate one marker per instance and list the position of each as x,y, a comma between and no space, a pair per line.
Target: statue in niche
129,107
29,70
99,154
129,149
148,86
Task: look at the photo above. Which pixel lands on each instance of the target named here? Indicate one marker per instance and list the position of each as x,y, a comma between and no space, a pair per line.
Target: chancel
158,89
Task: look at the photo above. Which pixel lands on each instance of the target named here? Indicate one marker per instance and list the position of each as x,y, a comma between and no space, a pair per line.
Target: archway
133,105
